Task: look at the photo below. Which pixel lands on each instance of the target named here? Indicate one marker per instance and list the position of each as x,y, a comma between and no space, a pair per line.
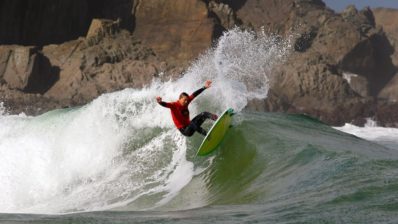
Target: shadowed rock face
27,70
41,22
388,20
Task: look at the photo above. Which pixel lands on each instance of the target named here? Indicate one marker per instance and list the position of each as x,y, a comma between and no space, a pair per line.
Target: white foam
348,76
123,146
384,136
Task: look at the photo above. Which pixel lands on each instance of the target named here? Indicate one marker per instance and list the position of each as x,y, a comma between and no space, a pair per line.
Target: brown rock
130,73
314,90
20,66
26,69
115,60
387,114
224,13
5,52
390,91
326,46
100,28
388,20
176,29
364,19
273,15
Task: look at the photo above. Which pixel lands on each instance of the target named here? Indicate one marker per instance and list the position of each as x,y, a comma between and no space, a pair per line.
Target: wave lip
122,150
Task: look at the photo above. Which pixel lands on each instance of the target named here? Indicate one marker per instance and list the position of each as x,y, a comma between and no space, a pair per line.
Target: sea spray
122,149
240,65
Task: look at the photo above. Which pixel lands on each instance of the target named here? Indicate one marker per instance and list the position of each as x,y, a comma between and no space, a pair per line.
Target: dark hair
183,94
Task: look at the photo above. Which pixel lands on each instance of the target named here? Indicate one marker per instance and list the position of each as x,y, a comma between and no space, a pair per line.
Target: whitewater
119,159
384,136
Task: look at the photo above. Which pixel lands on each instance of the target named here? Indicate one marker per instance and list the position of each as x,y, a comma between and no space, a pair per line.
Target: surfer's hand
159,99
208,84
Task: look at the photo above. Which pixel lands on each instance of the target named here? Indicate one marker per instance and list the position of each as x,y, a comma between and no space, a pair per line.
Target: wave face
122,149
121,155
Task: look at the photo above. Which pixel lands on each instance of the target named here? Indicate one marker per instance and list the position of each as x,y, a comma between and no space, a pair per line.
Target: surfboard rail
216,133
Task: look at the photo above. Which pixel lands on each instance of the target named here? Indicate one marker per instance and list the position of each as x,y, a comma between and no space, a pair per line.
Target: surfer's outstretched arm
165,104
199,91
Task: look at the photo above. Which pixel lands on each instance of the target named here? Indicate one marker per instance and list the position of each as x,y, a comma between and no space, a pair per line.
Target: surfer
180,113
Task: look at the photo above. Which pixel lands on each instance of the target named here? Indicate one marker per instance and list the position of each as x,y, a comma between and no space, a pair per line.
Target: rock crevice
342,68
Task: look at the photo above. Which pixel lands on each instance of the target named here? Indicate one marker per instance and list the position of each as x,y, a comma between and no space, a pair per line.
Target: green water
272,168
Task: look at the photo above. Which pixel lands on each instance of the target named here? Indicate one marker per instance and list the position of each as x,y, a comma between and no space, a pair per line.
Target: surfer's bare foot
214,117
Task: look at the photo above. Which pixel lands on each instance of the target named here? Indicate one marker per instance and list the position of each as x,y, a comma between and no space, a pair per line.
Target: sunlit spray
122,149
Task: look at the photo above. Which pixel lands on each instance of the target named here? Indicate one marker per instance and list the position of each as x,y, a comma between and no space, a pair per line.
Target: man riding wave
180,113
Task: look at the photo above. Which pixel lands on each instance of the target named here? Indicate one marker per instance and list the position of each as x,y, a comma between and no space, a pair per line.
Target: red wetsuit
179,113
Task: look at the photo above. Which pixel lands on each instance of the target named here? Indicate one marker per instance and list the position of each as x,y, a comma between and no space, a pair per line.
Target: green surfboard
216,133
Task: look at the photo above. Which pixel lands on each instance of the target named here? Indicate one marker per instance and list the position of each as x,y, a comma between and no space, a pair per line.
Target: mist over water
122,148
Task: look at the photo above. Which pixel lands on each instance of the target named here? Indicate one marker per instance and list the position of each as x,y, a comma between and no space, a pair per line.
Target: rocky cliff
388,20
387,113
61,53
41,22
328,49
179,30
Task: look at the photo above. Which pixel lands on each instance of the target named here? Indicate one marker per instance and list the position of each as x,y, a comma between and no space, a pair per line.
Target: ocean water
119,158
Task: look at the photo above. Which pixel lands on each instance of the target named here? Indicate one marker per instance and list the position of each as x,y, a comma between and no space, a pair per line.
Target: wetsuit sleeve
196,93
168,105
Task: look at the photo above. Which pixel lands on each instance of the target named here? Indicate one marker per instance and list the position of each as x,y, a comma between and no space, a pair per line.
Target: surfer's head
184,98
